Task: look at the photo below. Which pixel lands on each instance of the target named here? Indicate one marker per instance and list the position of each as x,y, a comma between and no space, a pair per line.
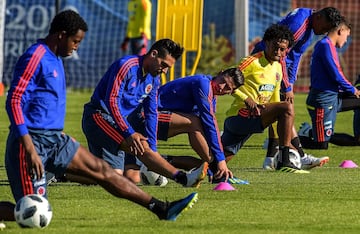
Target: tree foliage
217,53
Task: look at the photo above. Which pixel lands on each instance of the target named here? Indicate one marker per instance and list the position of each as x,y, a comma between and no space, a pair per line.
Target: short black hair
332,15
279,32
68,21
236,75
167,46
343,22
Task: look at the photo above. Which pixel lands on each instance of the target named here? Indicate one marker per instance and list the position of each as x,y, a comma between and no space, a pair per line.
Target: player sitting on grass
257,103
187,105
36,104
330,92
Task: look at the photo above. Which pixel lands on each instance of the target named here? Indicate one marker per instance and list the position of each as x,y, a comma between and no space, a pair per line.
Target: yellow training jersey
139,18
262,81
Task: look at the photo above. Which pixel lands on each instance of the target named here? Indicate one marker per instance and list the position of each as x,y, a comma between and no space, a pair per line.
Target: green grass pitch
325,201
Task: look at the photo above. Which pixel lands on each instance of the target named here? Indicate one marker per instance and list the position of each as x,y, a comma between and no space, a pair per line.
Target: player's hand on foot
223,171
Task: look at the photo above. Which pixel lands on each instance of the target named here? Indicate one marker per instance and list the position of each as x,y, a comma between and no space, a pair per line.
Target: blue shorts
56,150
137,120
102,136
237,130
322,108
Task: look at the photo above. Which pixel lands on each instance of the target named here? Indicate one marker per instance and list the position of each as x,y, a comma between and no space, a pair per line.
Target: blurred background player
187,105
257,103
138,32
36,142
330,92
304,23
129,82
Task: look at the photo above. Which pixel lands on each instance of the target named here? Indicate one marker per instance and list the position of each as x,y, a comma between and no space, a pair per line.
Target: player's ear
154,53
61,35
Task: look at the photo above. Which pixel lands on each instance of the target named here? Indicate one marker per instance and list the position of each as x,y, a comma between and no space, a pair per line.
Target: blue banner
26,21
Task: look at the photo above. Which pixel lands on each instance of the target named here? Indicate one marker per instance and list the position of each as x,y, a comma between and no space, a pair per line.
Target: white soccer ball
152,178
294,157
33,211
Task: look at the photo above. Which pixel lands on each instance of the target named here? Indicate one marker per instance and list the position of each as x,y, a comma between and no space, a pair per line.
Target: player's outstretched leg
86,164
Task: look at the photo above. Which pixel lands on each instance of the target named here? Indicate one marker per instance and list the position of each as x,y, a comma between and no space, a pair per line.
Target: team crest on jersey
267,87
55,73
277,76
148,88
41,190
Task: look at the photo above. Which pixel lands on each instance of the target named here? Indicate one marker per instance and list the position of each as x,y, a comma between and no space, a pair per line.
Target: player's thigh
184,123
273,111
16,168
85,163
102,135
349,103
237,130
323,121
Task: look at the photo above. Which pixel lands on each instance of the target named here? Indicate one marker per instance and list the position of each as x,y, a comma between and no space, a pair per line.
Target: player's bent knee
288,108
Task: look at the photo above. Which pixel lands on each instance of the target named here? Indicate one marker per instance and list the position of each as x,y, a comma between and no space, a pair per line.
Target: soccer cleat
50,178
305,129
290,168
196,175
233,180
175,208
236,180
269,164
309,161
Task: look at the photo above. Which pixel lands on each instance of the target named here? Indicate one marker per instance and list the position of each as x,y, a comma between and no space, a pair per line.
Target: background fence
25,21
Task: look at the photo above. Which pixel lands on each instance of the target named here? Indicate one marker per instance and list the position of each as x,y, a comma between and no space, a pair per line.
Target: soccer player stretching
36,108
187,105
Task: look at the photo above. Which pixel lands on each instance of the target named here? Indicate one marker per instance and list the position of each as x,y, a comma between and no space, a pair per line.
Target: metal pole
2,31
57,6
241,29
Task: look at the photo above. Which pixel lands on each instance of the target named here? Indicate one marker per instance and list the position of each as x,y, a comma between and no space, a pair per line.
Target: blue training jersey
193,94
37,94
325,69
125,86
299,23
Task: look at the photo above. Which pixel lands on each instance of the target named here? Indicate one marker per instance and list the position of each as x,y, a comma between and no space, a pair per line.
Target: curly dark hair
68,21
167,46
332,15
279,32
